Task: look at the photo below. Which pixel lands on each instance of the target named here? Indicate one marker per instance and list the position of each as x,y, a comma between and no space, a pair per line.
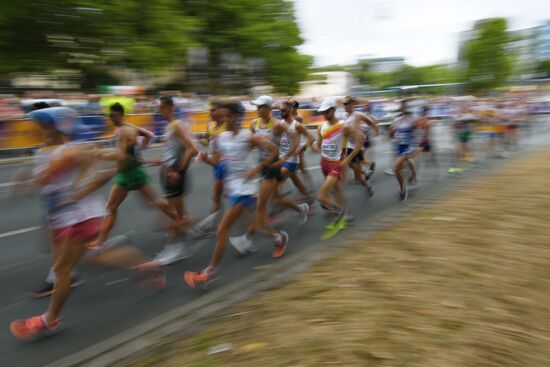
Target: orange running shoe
28,329
201,279
280,247
152,274
94,245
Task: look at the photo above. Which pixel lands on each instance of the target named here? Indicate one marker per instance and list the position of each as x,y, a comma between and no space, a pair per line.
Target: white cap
327,103
263,101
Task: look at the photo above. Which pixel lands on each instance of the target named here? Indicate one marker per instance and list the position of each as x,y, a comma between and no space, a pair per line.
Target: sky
423,31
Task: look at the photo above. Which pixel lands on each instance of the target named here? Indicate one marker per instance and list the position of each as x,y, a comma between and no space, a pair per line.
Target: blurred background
81,53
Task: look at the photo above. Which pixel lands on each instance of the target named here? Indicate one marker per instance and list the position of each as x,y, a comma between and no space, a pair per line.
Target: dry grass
464,282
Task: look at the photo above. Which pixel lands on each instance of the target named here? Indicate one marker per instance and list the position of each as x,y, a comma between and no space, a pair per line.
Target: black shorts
173,189
358,157
270,173
366,144
426,146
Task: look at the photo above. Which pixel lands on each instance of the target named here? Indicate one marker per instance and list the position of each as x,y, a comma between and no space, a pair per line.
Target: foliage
487,63
144,37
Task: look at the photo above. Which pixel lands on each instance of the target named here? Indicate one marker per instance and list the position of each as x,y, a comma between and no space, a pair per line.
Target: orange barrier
24,133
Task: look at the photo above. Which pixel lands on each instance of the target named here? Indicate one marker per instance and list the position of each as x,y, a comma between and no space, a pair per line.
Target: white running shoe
390,172
242,244
172,253
304,210
205,228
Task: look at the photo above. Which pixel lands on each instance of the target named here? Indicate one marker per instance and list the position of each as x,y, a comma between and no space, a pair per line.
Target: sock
44,322
51,276
277,237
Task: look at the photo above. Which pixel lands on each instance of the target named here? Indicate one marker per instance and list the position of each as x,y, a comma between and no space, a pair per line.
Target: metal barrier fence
24,134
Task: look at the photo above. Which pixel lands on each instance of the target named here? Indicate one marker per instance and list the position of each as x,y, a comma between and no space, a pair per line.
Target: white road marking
19,231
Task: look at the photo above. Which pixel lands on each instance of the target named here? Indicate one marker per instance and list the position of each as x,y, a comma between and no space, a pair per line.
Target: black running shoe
44,291
47,288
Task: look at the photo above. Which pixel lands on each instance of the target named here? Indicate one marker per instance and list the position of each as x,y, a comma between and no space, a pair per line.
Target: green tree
265,29
543,69
92,36
487,62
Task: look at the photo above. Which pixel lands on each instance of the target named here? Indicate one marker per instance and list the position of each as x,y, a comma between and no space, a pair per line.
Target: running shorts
332,168
426,146
272,173
132,179
219,171
173,189
358,157
244,200
403,149
78,233
291,167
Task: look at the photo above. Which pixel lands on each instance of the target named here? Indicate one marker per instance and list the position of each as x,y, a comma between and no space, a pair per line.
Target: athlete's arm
391,130
266,146
252,126
316,147
370,121
147,135
23,183
98,181
302,130
353,134
299,118
190,150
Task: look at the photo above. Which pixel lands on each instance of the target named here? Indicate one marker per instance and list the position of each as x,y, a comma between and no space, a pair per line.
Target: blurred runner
301,152
177,153
402,131
360,122
234,146
332,138
74,216
268,128
424,135
131,174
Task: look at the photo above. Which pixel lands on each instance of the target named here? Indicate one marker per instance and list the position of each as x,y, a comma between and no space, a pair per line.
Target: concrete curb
188,319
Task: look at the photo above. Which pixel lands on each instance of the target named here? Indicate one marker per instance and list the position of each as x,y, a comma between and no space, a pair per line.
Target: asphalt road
109,302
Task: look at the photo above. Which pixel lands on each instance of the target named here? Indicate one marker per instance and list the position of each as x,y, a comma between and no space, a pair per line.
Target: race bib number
284,146
330,149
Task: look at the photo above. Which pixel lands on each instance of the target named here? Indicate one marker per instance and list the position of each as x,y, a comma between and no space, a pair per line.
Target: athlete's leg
148,192
323,196
358,173
338,194
410,164
266,190
278,198
67,255
222,234
116,197
397,167
217,196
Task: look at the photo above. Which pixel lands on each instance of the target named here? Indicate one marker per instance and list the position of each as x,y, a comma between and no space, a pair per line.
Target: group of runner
80,223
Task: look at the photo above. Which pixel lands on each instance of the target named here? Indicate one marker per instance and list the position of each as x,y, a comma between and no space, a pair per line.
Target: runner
270,129
131,175
402,130
235,146
214,129
362,123
290,167
301,152
73,220
331,143
176,158
463,126
424,125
